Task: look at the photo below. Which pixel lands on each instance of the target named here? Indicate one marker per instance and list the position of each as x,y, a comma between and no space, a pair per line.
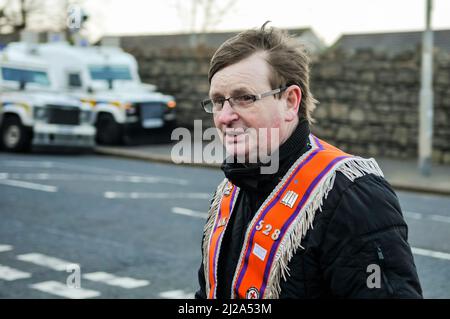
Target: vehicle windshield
26,76
109,72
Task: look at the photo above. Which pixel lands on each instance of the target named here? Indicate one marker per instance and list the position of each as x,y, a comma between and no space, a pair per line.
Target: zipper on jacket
382,268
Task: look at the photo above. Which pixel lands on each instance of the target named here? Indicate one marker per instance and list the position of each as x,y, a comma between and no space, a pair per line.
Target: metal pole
426,98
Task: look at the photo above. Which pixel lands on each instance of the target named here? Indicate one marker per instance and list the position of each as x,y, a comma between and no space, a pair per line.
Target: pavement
401,174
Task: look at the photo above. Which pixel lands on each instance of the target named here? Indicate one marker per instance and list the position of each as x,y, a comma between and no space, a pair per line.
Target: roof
393,43
86,55
213,39
19,57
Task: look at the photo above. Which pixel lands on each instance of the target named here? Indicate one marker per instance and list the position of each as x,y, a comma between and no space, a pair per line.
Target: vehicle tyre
109,132
14,136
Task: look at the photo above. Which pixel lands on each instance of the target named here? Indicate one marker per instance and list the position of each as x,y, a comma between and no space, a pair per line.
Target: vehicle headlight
40,113
130,108
171,104
85,116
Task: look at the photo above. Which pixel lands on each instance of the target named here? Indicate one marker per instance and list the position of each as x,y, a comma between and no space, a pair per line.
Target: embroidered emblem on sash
289,199
252,293
222,222
259,252
227,190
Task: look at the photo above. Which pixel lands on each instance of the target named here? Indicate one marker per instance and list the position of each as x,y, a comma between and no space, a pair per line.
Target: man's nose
227,114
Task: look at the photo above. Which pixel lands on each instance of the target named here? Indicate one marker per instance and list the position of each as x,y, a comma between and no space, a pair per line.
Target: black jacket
360,224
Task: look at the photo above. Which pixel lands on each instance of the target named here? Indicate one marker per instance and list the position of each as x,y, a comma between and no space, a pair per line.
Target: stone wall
181,73
368,101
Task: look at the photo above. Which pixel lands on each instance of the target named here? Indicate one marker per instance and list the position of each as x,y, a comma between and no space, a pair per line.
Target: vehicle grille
153,110
63,115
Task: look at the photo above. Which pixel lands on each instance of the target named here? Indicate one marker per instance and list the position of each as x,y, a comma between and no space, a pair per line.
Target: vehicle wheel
109,132
15,136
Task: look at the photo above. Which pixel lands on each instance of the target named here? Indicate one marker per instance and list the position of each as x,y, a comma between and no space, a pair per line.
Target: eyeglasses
216,105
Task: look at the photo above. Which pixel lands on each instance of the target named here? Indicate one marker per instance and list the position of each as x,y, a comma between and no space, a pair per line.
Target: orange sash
225,209
267,234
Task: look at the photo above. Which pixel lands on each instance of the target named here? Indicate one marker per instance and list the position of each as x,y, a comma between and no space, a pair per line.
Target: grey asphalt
143,220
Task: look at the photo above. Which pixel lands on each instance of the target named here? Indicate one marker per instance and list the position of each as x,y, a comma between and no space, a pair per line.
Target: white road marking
62,290
176,294
413,215
94,177
90,177
112,280
430,253
86,169
45,261
10,274
188,212
439,218
28,185
420,216
5,248
29,164
136,195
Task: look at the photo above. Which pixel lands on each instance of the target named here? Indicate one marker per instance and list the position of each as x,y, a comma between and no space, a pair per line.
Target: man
326,224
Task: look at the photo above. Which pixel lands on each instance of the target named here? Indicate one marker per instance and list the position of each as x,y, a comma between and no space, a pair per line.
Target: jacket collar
249,177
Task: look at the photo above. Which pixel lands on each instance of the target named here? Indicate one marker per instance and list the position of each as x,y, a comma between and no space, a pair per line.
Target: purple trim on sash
232,199
292,218
220,237
271,204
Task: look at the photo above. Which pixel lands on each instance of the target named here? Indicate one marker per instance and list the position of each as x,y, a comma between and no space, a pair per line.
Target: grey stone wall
368,101
181,73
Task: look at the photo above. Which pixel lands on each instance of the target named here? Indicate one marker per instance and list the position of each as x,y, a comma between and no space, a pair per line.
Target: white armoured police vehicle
107,78
32,113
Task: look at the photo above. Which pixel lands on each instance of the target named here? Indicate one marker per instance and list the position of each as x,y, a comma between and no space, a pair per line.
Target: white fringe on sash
207,230
352,168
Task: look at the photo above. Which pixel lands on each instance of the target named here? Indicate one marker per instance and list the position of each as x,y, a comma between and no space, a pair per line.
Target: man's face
242,130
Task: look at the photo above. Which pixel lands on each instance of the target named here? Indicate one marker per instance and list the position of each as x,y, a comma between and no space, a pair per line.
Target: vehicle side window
26,76
74,79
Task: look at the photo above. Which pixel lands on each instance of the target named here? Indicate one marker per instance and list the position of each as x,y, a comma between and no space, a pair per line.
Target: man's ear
293,99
